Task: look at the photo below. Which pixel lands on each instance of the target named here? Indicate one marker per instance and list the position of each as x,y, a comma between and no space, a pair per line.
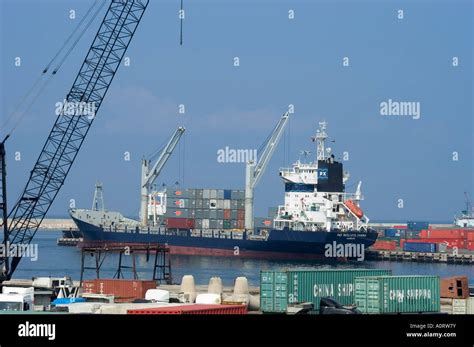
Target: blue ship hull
282,244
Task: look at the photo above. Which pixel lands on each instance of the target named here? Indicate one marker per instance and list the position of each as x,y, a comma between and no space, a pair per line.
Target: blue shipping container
227,194
394,232
425,247
418,225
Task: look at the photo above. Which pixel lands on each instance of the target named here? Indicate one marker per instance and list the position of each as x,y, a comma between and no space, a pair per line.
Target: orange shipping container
384,245
123,290
227,214
443,234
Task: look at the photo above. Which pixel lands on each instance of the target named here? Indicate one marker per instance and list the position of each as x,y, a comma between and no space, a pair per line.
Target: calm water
56,260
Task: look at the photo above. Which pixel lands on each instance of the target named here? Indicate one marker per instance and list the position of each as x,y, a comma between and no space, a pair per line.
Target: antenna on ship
320,139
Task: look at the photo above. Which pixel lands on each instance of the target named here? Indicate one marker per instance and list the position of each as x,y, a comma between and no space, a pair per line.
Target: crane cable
34,87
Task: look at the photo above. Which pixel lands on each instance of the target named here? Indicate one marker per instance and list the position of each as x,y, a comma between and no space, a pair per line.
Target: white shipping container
220,204
227,204
206,194
459,306
205,223
470,305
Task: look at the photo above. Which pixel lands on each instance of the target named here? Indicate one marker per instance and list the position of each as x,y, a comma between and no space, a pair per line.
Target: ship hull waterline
280,244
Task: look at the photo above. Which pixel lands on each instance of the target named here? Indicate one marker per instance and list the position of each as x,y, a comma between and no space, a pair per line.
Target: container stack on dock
420,237
208,209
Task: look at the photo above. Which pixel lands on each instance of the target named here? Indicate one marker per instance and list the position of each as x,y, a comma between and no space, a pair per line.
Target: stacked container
219,209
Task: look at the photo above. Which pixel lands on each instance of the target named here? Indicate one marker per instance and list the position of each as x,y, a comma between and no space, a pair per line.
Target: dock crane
149,175
254,171
69,131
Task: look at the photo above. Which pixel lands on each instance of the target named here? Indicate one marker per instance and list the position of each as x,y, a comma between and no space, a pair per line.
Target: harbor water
54,260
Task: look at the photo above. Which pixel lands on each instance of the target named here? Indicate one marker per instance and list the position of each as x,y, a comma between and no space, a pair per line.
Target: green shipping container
273,295
312,285
398,294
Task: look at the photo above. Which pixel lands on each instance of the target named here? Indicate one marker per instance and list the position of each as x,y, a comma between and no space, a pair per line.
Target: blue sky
282,62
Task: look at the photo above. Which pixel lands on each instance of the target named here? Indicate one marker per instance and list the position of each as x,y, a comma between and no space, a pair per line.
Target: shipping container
397,294
199,203
212,203
176,193
180,223
220,214
392,232
470,245
460,306
213,194
470,234
400,226
226,224
241,204
312,285
384,245
443,234
220,194
205,223
418,225
213,223
176,212
470,305
199,213
412,234
227,214
233,224
233,214
191,213
234,204
240,224
273,291
199,194
206,194
425,247
455,287
227,194
449,243
212,214
201,309
123,290
234,194
240,214
198,223
191,193
226,204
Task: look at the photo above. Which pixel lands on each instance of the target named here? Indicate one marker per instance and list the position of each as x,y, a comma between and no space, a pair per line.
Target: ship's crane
149,175
69,131
254,171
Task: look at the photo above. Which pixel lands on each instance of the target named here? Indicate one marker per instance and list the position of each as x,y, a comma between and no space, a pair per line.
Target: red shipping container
384,245
180,223
451,243
443,234
123,290
241,214
470,245
240,224
226,214
193,309
470,235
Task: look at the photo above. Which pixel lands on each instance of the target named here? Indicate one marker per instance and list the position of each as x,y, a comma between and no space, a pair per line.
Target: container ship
317,216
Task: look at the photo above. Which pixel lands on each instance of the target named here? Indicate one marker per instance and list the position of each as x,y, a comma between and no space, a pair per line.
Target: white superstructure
314,194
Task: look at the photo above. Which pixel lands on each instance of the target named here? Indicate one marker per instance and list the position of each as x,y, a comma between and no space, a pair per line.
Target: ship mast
320,139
